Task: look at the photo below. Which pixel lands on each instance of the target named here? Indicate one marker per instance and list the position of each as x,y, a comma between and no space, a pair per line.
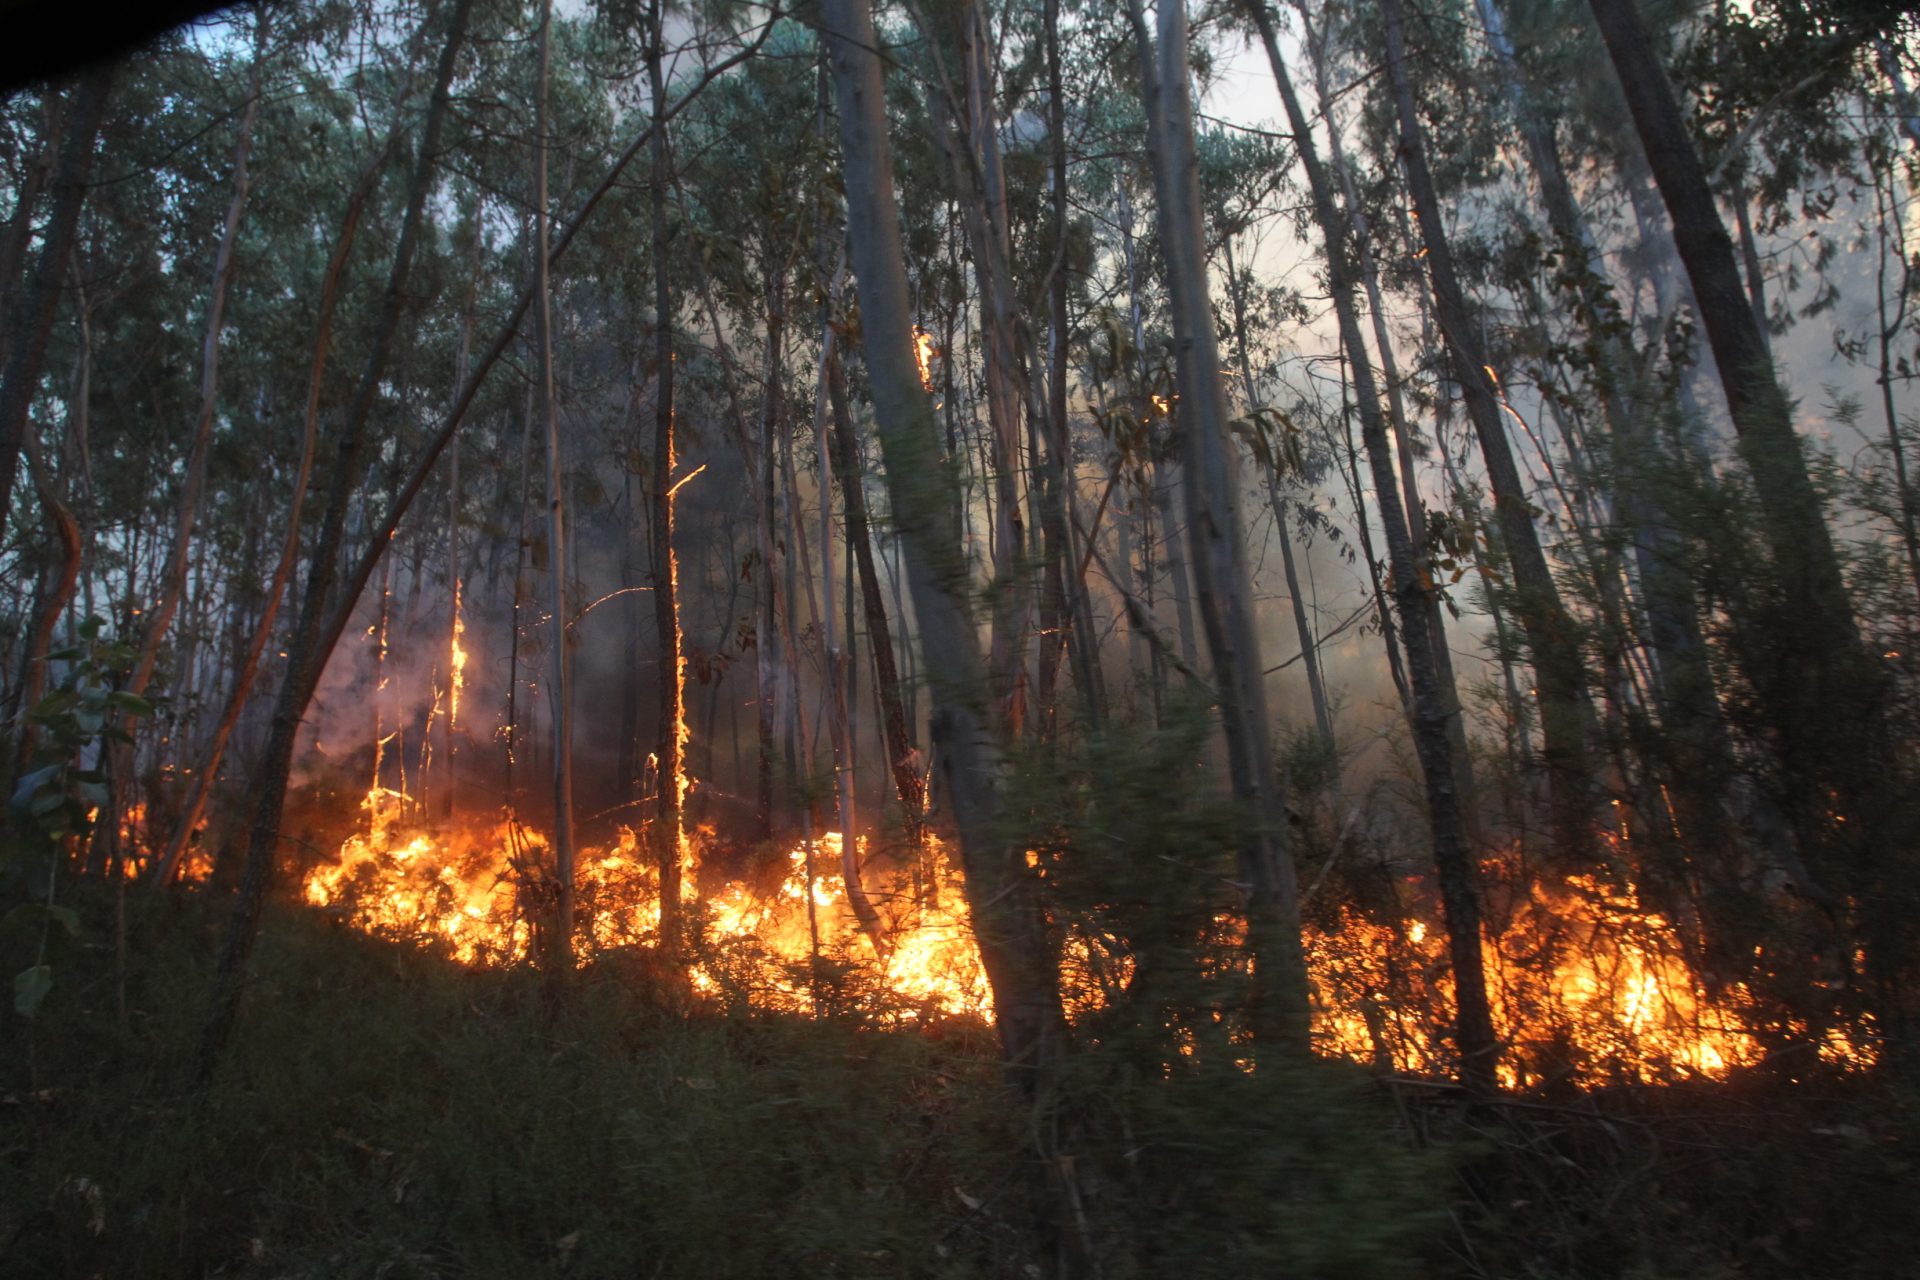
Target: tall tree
31,321
1453,859
1552,637
670,769
305,650
1217,539
1001,892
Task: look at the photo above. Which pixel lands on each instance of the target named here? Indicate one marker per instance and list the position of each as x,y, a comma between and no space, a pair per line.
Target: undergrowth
385,1113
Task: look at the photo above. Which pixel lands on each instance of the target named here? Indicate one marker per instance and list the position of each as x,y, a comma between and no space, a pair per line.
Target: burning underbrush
1590,985
779,935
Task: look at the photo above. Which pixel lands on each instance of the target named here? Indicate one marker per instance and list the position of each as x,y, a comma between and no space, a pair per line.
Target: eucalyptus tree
305,646
31,322
1217,537
1411,582
1006,913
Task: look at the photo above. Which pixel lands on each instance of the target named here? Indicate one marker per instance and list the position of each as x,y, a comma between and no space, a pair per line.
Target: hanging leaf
30,987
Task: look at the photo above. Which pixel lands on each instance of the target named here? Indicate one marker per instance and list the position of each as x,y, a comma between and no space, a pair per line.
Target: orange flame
923,354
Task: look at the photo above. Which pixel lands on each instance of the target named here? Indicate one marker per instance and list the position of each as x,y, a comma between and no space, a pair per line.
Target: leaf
30,785
30,987
131,703
66,916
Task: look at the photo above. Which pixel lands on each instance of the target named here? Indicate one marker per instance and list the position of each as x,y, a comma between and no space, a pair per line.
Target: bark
1279,997
31,316
1464,785
174,579
1309,646
1071,607
1793,524
305,652
247,669
559,521
1552,637
1684,682
835,658
670,744
1006,913
903,758
63,577
972,138
1457,871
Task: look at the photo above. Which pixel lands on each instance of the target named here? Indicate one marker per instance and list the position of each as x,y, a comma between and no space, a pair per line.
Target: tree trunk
1552,637
174,579
560,946
903,758
305,652
31,321
669,775
1007,920
1457,872
248,668
1279,999
1309,647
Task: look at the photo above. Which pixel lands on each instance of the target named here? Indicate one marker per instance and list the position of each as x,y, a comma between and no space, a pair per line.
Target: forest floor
384,1113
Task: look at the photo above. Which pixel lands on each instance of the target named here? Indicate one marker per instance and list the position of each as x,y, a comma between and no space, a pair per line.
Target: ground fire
1589,985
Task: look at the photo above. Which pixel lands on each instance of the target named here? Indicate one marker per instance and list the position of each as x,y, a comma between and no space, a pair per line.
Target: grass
385,1113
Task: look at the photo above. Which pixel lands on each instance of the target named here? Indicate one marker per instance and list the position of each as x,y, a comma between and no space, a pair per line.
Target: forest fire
1589,984
478,892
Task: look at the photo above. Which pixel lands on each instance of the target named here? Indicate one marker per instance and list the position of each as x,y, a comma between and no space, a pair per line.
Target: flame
479,893
1589,983
923,354
456,661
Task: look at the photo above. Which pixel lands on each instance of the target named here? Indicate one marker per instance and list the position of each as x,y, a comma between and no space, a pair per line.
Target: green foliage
386,1113
1197,1162
64,785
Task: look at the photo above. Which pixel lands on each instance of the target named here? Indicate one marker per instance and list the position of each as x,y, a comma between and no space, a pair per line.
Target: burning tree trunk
560,946
1458,876
1280,1004
670,767
1552,637
32,315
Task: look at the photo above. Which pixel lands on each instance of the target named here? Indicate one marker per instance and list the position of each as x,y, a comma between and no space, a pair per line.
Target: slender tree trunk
1552,637
559,521
1002,894
174,579
1457,872
31,319
1464,785
671,743
903,758
305,650
1309,646
1214,530
1073,610
248,668
1794,526
1823,696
